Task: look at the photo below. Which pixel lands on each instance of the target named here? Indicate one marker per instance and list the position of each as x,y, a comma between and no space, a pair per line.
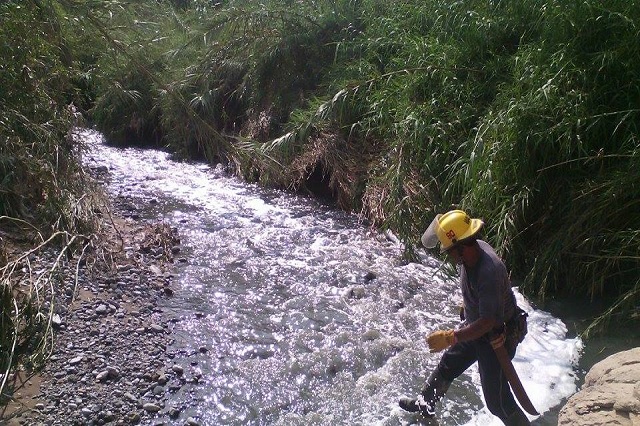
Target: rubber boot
432,392
435,388
518,418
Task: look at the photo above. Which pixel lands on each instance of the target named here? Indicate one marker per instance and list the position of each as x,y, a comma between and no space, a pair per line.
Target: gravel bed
110,364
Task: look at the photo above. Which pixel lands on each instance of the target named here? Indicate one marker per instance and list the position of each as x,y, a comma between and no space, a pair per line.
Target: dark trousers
495,386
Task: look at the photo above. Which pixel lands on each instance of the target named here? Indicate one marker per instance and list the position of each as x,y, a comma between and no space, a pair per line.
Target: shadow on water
620,334
578,313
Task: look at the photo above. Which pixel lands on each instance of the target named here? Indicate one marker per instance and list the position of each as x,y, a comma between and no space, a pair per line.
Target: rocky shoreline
610,395
110,363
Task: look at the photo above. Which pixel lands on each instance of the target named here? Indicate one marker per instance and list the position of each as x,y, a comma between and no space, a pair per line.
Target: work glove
440,340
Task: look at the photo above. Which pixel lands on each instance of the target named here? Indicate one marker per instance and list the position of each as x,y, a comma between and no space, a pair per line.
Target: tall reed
522,112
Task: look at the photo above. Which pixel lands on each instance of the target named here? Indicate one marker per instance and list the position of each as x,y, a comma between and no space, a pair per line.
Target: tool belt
512,332
516,327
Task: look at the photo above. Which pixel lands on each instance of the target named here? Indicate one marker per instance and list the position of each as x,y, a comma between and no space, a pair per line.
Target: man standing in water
491,319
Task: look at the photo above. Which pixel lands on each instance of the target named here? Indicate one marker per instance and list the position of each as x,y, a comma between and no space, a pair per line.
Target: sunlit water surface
294,313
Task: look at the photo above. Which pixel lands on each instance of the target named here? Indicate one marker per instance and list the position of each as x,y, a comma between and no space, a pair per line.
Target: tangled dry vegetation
330,163
34,270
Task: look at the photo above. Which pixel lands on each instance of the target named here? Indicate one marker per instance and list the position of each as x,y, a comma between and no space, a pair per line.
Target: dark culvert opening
317,184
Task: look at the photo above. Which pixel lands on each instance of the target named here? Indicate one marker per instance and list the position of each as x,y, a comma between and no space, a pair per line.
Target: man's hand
440,340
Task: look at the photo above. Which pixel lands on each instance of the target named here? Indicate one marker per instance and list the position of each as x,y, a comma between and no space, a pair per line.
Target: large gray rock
610,395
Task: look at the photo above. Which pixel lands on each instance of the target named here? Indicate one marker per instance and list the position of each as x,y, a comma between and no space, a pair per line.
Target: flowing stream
294,313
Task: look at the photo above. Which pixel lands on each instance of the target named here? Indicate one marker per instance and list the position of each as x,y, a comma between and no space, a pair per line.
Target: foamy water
290,312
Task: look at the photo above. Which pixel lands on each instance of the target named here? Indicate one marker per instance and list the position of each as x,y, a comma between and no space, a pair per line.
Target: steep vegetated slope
523,112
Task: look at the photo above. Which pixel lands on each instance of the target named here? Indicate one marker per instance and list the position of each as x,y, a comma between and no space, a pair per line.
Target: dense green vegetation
525,113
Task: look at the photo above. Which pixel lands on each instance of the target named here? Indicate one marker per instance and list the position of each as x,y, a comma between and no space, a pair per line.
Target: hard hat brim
430,239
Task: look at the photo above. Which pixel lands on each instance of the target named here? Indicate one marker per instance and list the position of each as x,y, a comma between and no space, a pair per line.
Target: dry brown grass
344,166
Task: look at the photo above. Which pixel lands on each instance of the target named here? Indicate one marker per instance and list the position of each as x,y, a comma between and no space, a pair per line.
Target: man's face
464,254
454,254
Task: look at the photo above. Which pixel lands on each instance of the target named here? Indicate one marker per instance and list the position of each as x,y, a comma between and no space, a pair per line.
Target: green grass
524,113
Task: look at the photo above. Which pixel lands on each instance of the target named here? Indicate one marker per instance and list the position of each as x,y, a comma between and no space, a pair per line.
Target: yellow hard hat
449,229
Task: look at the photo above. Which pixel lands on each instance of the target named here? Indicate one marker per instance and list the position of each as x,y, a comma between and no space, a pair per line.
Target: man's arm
476,329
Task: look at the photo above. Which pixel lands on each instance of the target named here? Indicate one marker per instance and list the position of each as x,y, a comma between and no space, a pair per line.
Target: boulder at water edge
610,395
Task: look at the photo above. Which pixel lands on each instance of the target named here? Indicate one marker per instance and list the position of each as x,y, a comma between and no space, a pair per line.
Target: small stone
151,407
114,373
56,321
134,418
156,328
163,379
356,292
129,396
76,360
178,370
371,335
103,376
174,413
102,310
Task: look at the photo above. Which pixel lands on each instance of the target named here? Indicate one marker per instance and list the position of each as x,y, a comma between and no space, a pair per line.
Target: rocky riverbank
110,363
610,395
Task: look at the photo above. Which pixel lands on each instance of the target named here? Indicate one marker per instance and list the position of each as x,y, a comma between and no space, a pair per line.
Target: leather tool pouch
517,326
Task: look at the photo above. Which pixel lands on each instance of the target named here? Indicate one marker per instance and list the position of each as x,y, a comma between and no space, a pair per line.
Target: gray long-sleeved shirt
486,288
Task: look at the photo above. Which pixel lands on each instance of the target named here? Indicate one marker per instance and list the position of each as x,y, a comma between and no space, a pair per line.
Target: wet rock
610,394
151,407
134,418
174,413
162,380
371,335
356,292
370,276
